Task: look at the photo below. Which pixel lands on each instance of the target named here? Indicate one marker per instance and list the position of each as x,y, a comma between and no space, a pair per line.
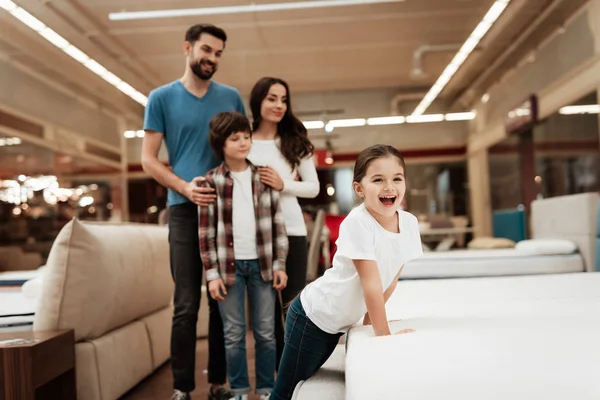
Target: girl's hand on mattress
404,331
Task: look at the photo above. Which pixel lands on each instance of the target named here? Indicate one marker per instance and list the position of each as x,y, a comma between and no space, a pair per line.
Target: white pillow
484,243
546,246
32,288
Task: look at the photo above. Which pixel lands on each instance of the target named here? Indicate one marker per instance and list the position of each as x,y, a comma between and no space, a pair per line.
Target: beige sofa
111,283
13,258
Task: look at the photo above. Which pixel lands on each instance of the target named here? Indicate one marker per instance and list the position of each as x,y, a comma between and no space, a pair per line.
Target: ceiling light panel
354,122
78,55
466,49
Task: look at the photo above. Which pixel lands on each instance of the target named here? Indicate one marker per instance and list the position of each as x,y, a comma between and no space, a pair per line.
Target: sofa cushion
86,372
158,326
101,276
13,258
123,358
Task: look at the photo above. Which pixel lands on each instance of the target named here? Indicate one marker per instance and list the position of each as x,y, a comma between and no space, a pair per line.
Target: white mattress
19,276
16,310
517,338
496,262
14,303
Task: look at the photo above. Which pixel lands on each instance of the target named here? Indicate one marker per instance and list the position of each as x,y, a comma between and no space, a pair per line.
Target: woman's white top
335,301
266,153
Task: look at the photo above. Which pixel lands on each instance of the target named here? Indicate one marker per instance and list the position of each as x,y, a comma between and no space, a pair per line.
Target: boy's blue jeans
261,296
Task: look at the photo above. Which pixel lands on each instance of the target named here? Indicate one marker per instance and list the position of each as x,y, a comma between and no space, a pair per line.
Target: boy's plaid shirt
216,228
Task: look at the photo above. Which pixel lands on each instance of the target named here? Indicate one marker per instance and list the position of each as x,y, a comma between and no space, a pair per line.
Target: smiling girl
376,239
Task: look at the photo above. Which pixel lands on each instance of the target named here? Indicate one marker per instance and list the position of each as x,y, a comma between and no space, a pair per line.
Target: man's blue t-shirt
183,120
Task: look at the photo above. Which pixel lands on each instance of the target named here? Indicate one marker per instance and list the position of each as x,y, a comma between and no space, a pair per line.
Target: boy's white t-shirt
335,301
244,220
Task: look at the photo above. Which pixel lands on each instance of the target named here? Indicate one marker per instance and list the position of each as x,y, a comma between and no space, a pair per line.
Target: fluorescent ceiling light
126,88
416,119
353,122
345,123
386,120
8,5
190,12
470,44
314,124
464,116
582,109
11,141
54,38
111,78
60,42
27,19
75,53
96,68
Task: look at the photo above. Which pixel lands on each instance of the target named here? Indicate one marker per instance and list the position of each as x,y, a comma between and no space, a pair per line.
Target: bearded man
179,113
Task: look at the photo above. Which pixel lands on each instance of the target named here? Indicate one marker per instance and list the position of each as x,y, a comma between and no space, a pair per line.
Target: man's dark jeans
186,268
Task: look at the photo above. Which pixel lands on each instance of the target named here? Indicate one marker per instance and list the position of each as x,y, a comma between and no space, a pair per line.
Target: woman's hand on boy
270,177
200,195
215,288
279,280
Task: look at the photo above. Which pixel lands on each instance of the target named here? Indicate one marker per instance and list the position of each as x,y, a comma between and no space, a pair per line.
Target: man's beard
200,73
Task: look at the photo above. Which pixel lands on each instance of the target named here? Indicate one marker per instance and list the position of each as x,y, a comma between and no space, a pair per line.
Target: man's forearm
163,175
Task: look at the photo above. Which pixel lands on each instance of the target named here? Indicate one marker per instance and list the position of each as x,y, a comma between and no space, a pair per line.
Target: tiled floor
159,386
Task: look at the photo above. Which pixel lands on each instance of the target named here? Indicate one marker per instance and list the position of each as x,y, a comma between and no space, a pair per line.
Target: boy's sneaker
179,395
265,396
221,394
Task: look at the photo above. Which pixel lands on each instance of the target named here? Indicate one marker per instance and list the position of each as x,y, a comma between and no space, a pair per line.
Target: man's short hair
194,32
224,125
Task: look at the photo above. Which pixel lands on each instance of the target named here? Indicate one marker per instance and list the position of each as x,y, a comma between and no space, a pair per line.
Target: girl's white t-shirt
335,301
266,153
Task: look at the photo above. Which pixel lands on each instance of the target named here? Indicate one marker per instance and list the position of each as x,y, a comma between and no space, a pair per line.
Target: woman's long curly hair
295,144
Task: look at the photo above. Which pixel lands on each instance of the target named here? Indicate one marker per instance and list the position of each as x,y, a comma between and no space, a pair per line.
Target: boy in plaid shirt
243,244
